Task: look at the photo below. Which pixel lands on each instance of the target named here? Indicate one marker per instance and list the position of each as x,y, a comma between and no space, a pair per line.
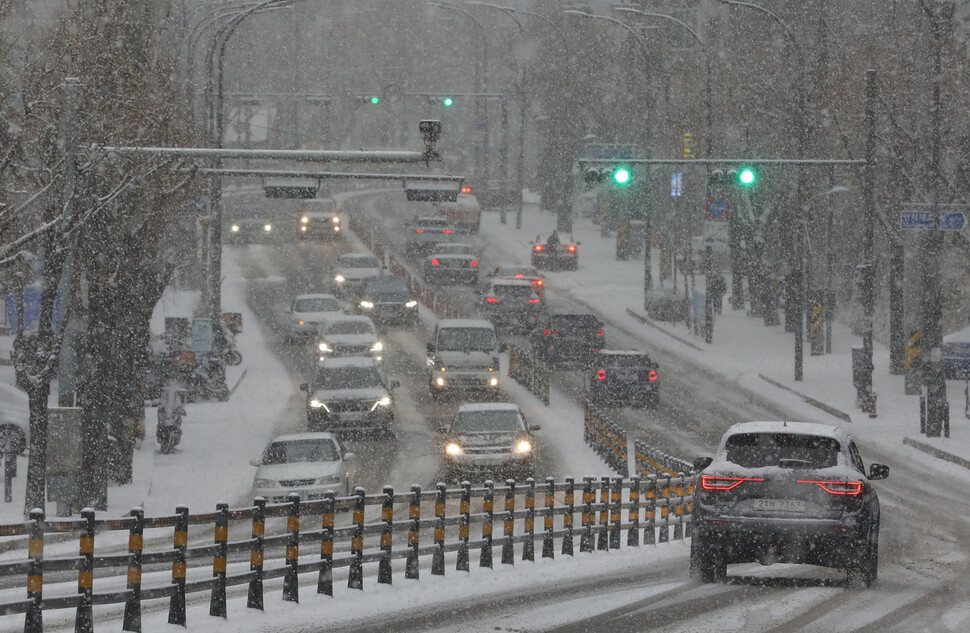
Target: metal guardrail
655,514
525,370
606,437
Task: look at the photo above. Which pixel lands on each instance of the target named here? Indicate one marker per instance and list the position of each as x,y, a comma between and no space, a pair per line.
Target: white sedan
307,313
308,464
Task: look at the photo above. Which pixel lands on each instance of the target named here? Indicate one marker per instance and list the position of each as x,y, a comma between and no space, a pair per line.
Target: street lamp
481,72
798,263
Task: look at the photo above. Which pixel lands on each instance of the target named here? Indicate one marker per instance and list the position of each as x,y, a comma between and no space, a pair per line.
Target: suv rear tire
706,561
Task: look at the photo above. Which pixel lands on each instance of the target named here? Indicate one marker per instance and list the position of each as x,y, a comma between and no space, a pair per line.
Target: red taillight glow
534,300
550,332
466,189
537,282
571,248
538,247
447,231
519,276
419,230
710,482
599,333
435,262
474,263
652,376
491,300
601,374
837,487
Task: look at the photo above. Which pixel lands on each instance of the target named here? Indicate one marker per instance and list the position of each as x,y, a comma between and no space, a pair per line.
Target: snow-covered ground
223,436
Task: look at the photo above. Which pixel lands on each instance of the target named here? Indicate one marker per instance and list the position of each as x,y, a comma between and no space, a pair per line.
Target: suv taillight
601,374
419,230
599,333
492,300
571,248
550,332
538,247
474,263
711,482
533,300
652,376
851,488
435,262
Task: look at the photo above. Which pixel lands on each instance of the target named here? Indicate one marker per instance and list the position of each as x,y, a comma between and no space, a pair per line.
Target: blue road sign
952,221
718,208
923,220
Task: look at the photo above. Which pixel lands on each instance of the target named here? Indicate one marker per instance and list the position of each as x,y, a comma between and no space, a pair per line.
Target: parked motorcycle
171,408
208,379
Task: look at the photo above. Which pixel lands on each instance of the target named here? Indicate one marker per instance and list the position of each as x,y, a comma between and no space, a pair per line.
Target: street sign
202,335
923,220
717,208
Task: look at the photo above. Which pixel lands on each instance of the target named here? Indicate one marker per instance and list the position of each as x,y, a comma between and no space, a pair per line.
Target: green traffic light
747,177
375,100
447,102
621,176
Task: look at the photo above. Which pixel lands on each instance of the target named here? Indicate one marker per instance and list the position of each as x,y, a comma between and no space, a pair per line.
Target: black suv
511,304
563,335
387,299
623,377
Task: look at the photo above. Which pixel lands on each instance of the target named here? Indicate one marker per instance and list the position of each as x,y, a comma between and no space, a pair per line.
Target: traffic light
747,176
442,101
368,99
618,175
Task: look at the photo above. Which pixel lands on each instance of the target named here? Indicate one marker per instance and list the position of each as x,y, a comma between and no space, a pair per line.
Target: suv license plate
782,505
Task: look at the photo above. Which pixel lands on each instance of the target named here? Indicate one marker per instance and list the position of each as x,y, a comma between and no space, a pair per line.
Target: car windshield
788,450
504,291
350,327
359,262
348,378
466,338
386,284
296,451
498,421
316,304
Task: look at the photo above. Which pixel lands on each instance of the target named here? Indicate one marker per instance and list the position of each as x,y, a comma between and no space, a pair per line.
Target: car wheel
653,402
863,568
706,561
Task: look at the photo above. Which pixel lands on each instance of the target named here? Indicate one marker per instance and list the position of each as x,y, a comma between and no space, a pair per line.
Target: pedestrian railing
606,437
526,371
362,538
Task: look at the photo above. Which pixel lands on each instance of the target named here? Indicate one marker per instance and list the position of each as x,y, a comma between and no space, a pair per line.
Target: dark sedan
618,377
388,299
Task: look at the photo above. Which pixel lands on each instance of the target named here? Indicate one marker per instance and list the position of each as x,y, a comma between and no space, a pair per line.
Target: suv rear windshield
788,450
575,322
504,291
625,360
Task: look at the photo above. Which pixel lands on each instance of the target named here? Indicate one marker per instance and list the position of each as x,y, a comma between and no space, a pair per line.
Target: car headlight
267,227
329,479
303,228
367,304
266,483
317,404
453,449
376,347
300,322
336,229
493,382
336,220
324,347
234,228
410,304
304,219
383,402
523,446
339,279
440,382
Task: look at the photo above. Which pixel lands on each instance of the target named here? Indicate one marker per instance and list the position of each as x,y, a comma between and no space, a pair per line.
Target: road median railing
525,370
358,542
606,437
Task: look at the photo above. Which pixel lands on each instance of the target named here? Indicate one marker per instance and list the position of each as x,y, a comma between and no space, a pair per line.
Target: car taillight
537,282
419,230
492,300
652,376
447,231
474,263
435,262
571,248
837,487
710,482
517,276
550,332
538,247
536,300
599,333
601,374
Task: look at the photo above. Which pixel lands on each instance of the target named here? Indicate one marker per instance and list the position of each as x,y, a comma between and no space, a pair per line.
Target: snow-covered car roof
308,435
315,296
353,257
489,406
784,426
480,323
349,361
453,248
432,220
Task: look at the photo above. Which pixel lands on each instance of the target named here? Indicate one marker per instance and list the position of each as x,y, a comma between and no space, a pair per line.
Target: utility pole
868,243
67,365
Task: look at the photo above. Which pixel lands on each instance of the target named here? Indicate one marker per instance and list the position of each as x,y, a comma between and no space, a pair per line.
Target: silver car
492,438
308,464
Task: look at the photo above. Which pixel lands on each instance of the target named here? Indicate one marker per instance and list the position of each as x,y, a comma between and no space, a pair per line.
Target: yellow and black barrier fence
274,535
650,461
606,437
528,372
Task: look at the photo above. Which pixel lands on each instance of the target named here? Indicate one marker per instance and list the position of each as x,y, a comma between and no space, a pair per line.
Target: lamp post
797,255
481,77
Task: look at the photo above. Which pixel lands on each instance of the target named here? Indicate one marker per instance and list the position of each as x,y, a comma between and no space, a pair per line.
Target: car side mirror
349,457
535,427
254,462
395,384
304,387
878,471
701,463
